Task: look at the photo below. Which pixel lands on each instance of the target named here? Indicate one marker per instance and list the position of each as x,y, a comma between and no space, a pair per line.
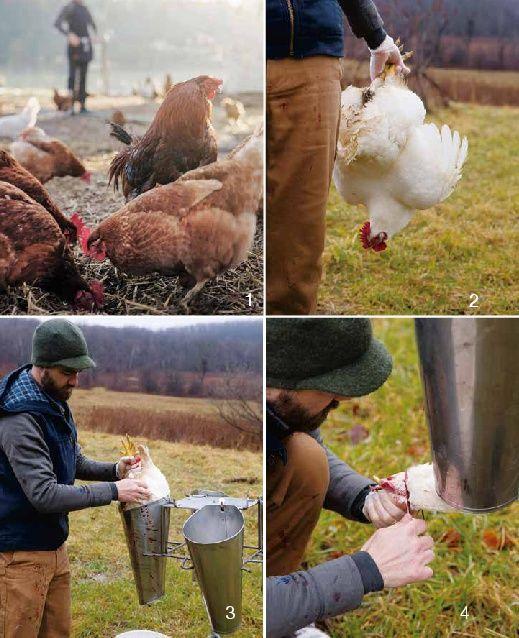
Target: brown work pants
295,496
303,109
35,594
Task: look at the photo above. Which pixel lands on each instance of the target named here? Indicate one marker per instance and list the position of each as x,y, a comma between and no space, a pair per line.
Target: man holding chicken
304,45
313,365
39,461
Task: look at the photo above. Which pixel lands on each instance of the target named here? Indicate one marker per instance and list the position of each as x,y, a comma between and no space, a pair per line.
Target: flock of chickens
186,213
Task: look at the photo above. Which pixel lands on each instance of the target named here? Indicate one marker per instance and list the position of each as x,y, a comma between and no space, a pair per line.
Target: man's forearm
330,589
345,489
346,486
90,470
22,442
364,20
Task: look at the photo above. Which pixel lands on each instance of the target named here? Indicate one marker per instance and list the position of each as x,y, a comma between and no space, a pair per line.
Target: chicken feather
389,160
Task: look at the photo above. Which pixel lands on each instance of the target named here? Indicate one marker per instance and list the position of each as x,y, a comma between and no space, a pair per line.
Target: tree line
197,360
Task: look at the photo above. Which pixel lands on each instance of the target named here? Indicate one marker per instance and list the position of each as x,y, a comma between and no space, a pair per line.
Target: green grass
104,601
466,245
487,582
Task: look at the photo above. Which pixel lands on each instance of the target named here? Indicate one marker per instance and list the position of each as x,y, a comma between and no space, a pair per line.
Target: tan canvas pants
303,108
295,496
35,594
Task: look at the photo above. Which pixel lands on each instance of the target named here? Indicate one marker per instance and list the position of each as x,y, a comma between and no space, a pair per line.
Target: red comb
83,232
364,234
367,242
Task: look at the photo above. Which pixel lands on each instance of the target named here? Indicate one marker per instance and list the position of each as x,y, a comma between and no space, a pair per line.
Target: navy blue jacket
302,28
21,525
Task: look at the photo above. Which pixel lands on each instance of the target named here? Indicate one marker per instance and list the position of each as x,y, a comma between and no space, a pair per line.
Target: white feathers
150,475
388,159
418,482
13,125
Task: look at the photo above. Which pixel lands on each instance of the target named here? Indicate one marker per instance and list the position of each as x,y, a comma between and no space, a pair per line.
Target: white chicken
415,487
389,160
12,125
148,473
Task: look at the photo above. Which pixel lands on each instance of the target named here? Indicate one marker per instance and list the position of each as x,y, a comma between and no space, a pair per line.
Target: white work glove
386,52
126,464
382,509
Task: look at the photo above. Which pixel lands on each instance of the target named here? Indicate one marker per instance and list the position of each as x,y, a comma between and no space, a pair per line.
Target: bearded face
298,417
59,383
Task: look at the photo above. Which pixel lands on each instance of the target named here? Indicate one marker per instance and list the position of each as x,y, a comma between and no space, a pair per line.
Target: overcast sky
151,323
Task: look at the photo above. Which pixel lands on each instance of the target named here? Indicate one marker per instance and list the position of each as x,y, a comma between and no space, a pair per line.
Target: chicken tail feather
120,134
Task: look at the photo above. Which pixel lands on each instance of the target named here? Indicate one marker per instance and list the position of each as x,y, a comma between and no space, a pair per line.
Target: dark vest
22,527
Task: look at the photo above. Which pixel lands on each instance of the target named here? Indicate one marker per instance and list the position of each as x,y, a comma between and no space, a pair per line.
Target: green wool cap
59,342
335,355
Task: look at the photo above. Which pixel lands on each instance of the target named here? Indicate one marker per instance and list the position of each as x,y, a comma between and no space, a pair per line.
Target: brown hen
46,157
202,224
34,250
13,172
179,139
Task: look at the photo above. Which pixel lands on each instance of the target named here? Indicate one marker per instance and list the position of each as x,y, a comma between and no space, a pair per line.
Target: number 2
474,300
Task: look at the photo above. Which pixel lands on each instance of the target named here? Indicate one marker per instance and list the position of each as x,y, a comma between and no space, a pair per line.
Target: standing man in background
305,41
76,16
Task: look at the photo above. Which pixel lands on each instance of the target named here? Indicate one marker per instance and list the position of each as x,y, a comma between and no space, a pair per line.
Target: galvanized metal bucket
214,537
146,529
470,375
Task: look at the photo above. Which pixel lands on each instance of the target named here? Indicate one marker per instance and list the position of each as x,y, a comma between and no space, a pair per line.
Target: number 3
231,615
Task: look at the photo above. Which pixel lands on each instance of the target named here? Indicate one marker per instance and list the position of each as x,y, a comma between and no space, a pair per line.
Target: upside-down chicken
34,250
13,172
202,224
46,157
389,160
180,139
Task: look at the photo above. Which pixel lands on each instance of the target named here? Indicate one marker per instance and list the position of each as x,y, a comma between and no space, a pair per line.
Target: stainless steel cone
146,529
214,536
470,374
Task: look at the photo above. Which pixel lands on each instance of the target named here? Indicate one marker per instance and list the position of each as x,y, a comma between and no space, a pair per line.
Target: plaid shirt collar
25,392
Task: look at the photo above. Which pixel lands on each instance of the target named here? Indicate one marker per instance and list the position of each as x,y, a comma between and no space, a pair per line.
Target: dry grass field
469,569
103,593
153,416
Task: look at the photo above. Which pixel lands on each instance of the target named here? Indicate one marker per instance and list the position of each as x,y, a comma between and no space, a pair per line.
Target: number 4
465,612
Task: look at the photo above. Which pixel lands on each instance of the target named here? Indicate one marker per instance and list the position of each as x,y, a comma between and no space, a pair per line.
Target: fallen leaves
451,538
498,541
357,433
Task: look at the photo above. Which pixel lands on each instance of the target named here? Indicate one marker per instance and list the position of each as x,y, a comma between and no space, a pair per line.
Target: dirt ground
238,291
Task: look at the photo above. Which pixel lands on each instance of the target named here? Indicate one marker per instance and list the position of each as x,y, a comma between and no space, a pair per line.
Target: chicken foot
191,295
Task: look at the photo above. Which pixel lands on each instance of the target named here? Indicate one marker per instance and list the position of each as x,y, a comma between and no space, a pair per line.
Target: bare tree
242,408
423,23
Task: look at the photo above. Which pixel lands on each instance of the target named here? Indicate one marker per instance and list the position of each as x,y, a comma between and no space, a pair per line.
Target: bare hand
127,464
401,554
73,40
383,508
386,52
132,491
